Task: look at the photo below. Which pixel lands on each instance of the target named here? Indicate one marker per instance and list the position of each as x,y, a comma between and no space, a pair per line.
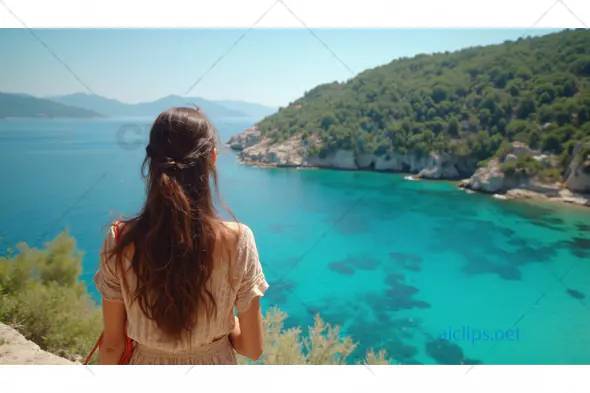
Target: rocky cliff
491,178
519,184
578,172
248,138
294,153
17,350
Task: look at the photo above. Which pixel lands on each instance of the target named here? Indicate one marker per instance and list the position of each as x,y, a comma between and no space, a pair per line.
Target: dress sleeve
253,283
107,279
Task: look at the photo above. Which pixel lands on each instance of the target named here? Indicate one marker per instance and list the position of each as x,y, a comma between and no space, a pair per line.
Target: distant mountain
22,105
253,110
109,107
114,108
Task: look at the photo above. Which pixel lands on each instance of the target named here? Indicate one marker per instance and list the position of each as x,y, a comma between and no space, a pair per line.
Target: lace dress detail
243,270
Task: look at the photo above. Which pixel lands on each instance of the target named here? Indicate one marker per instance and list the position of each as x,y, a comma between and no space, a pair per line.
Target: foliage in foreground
41,296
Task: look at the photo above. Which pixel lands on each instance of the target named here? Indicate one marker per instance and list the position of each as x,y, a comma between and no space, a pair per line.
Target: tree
525,108
453,128
552,144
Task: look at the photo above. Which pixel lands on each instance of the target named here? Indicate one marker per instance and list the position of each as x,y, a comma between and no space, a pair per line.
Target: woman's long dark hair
175,235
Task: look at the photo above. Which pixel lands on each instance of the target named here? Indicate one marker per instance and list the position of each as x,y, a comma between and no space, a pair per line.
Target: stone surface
249,137
489,178
286,154
578,172
15,349
519,193
341,159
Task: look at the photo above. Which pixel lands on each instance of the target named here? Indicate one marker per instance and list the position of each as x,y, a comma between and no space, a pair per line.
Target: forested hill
533,90
21,105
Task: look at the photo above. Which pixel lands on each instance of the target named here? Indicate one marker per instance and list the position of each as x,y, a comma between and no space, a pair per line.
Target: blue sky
268,66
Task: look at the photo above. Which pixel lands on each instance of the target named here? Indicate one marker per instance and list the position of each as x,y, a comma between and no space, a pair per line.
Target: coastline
515,194
500,177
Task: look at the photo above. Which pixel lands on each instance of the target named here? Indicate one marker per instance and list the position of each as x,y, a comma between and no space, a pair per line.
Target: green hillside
533,90
20,105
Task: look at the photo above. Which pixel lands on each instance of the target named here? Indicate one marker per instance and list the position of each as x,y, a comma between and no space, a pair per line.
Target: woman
185,270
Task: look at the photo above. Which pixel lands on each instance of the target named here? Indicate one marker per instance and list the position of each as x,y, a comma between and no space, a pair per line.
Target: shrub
550,175
524,164
322,345
42,297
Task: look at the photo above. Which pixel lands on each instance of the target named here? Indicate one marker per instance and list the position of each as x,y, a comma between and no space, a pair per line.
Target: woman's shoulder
113,236
239,231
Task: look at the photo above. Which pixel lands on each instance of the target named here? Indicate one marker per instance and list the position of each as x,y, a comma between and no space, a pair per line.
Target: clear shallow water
394,262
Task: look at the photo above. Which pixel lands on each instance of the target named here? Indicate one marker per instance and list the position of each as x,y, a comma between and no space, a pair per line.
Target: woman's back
236,279
174,274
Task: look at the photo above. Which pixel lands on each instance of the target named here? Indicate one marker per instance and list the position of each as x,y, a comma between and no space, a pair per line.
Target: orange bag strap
122,266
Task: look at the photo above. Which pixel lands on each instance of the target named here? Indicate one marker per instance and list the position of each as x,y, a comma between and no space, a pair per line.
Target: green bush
42,297
524,164
550,175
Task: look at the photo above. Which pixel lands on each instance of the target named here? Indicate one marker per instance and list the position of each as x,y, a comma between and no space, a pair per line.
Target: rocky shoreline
258,151
491,179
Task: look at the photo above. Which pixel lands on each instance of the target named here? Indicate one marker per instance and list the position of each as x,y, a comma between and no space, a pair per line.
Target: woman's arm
113,340
247,336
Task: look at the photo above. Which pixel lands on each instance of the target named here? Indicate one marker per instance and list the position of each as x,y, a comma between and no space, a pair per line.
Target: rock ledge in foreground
15,349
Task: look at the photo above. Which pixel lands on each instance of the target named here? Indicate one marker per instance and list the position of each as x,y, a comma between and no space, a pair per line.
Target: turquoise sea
397,263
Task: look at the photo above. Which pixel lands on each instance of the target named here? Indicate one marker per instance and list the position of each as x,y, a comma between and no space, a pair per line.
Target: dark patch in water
507,272
537,215
371,326
386,333
347,266
448,353
543,224
399,296
579,247
477,242
394,279
518,242
481,265
313,310
582,243
527,254
341,268
583,227
400,351
576,294
406,261
280,292
507,232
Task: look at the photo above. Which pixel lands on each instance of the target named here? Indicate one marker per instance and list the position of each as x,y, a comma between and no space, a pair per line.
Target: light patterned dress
209,343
